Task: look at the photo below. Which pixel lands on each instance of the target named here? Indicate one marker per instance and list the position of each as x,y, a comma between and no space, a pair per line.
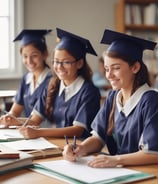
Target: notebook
10,134
9,164
78,172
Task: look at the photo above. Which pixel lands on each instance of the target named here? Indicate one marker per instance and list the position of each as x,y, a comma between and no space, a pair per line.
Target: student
71,101
34,53
127,122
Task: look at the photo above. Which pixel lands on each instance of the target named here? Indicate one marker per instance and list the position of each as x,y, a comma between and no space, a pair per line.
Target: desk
7,93
4,96
26,176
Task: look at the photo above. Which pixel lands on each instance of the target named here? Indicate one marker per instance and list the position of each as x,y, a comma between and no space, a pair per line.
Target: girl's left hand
102,161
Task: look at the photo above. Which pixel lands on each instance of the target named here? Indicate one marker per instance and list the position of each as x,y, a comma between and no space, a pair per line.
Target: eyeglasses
65,64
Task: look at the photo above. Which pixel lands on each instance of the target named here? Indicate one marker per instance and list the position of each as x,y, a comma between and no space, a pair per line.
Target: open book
9,164
38,148
78,172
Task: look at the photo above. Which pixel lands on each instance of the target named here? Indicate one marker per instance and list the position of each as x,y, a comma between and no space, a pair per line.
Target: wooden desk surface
7,93
25,176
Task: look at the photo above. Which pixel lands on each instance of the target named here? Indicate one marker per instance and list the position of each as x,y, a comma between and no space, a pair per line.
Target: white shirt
41,78
72,89
132,101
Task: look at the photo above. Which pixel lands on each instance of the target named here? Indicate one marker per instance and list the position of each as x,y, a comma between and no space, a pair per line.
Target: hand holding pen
69,150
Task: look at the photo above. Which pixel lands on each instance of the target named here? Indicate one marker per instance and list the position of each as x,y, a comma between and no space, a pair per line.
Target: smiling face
65,66
119,73
33,58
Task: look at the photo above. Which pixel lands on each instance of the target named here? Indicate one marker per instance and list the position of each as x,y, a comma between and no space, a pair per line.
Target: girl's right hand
68,153
72,155
29,132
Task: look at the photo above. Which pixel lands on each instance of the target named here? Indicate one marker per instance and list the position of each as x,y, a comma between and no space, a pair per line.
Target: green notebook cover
122,175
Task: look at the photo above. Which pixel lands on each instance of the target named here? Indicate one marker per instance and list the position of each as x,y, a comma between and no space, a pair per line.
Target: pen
66,139
27,120
74,143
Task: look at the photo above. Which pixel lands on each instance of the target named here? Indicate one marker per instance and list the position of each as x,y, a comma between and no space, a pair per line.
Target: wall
87,18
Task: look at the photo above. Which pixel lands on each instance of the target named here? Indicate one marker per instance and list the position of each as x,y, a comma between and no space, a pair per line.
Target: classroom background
88,18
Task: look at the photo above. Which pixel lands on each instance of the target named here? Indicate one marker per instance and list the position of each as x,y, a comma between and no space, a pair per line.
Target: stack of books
11,159
38,148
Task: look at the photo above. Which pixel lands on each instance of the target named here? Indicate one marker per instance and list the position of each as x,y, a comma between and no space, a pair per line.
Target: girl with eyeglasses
71,101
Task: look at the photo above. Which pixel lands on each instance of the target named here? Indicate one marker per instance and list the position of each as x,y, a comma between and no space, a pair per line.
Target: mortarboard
127,45
31,35
76,45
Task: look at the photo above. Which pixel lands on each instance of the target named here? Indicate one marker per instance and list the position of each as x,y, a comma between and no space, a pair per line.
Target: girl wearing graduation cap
127,123
34,53
71,100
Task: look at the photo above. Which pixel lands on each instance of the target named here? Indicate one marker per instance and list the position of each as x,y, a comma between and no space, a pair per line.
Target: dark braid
53,88
111,118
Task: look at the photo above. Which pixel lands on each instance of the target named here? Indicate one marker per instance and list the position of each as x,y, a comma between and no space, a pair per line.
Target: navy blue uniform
79,110
24,96
136,124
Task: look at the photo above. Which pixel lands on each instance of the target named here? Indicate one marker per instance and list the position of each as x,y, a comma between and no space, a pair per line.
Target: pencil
27,120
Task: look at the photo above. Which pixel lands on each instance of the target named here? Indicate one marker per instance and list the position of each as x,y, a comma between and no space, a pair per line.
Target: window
11,23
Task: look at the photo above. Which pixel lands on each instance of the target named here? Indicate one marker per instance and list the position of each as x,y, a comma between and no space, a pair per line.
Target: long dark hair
141,78
53,87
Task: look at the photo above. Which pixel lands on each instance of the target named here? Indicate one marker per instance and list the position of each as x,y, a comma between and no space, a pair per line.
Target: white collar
133,100
72,89
43,75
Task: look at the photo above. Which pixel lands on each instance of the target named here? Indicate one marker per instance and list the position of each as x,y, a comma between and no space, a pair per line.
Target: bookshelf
132,15
139,18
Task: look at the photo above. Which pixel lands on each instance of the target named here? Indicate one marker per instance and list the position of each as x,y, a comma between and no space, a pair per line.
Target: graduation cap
129,46
32,35
74,44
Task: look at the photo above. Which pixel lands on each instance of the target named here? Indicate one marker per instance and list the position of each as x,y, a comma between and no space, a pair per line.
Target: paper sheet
30,144
80,171
10,134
